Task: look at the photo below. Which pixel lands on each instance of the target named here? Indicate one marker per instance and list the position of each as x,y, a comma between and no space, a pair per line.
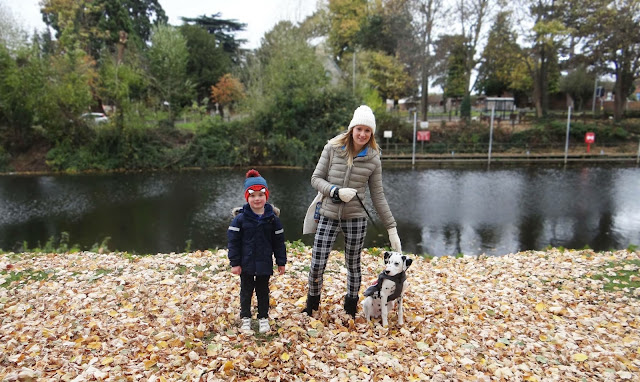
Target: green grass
619,275
21,278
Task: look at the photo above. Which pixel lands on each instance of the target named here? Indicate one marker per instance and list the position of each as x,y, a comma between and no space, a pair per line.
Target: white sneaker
246,324
264,325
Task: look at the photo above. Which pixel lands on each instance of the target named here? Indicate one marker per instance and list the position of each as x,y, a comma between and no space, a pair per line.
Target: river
440,211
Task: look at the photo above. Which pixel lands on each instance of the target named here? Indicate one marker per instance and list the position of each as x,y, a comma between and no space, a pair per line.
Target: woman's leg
325,237
354,231
247,284
262,295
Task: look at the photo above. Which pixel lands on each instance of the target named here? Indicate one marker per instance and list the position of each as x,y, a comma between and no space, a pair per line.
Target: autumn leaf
580,357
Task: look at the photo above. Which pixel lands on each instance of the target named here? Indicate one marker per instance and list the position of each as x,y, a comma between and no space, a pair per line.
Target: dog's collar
400,277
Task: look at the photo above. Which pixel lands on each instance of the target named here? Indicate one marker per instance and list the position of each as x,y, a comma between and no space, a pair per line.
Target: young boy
255,236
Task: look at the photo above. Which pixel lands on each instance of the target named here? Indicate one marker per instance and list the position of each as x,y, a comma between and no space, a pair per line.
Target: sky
259,15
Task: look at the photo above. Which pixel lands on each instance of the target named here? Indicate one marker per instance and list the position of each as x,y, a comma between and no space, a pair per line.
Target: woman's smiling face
361,136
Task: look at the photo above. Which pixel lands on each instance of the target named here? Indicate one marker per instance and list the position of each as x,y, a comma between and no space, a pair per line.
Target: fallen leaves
532,316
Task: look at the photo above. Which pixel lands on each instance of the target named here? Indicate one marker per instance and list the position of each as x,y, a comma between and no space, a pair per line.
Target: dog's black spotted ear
387,255
407,261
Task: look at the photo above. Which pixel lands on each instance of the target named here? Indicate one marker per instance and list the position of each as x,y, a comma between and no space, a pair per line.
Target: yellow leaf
148,364
107,361
228,365
370,344
531,378
260,363
364,369
543,337
579,357
95,345
112,313
540,307
499,345
315,323
285,357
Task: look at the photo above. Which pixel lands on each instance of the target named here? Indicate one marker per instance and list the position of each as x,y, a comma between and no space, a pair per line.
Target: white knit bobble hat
363,116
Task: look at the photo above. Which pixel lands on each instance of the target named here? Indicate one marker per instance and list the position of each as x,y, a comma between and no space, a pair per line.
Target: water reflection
439,211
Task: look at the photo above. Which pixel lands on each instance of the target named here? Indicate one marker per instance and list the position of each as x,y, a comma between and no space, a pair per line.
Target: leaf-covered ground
534,316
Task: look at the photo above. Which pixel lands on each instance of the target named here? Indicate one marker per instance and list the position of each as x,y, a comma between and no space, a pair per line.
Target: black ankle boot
313,303
350,305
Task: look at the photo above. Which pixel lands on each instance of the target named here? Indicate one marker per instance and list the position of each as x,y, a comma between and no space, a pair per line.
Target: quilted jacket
254,240
366,171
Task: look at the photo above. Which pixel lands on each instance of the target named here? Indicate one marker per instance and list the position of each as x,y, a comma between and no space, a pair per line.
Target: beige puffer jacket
366,171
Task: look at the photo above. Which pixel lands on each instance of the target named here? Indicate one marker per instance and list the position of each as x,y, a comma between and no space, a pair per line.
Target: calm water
439,211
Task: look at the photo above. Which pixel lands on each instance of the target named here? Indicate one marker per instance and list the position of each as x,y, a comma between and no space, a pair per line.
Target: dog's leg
400,311
384,310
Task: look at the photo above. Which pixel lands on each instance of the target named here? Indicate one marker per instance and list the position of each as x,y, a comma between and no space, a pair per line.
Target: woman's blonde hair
346,140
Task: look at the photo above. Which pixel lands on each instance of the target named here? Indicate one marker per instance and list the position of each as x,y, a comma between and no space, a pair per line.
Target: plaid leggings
354,231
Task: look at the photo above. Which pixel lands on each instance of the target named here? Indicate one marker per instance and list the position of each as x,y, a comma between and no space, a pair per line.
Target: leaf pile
532,316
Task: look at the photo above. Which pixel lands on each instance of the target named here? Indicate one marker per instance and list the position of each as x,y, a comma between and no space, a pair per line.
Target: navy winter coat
254,240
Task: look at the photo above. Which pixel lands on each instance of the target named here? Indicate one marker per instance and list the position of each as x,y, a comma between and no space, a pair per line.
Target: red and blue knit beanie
255,182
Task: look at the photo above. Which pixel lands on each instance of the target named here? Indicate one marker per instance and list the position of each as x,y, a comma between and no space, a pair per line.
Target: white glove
346,194
394,239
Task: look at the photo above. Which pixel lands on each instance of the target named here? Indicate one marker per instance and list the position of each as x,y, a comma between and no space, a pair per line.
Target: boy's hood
237,210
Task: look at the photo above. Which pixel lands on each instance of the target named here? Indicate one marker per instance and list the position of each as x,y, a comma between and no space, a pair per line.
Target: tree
66,95
545,35
76,24
428,13
579,85
613,44
452,51
12,35
207,62
223,31
386,75
20,85
121,83
471,17
286,79
168,56
345,20
499,58
226,92
98,24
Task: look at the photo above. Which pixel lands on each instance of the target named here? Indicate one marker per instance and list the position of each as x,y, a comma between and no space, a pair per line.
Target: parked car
95,117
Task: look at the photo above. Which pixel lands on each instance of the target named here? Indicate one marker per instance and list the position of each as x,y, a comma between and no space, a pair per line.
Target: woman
349,163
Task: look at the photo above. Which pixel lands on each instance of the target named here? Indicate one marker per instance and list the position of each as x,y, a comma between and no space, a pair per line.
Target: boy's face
257,200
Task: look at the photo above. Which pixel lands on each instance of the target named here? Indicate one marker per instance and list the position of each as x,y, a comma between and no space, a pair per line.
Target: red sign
589,137
424,135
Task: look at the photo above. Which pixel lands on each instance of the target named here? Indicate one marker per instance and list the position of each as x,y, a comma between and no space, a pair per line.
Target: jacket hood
237,210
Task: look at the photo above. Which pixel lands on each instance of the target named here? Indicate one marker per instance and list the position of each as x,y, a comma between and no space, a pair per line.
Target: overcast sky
259,15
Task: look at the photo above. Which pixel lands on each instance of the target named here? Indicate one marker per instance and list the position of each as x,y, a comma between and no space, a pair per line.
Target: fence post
493,109
566,144
413,157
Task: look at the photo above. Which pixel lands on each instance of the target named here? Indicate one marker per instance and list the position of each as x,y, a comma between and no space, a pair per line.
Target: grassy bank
212,142
539,315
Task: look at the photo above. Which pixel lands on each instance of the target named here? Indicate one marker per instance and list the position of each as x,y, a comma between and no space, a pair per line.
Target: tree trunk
424,101
621,91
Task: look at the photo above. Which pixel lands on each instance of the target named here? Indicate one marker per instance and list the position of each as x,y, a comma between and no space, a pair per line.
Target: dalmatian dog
389,287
